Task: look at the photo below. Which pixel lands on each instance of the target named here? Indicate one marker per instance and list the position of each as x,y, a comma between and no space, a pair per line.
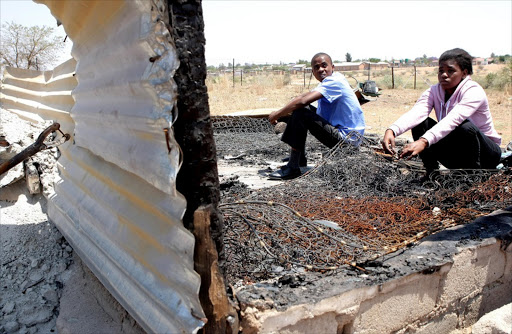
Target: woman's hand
388,143
414,148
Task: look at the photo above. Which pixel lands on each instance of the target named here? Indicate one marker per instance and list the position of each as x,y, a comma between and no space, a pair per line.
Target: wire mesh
354,206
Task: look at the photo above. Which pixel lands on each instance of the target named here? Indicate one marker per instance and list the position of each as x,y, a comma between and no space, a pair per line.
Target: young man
338,113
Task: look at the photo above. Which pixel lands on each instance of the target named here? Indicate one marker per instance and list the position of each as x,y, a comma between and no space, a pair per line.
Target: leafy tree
374,60
493,55
348,57
33,47
424,60
222,67
303,61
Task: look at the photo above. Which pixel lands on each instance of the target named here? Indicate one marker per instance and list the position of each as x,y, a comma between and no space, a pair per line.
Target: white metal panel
121,95
116,200
37,95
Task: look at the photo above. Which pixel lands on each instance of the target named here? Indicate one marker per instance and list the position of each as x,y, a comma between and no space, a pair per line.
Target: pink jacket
469,101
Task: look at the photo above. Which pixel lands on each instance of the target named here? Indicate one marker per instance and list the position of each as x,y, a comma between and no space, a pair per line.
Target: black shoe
302,163
285,173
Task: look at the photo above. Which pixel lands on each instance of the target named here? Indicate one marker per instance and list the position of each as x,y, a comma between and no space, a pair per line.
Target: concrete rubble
496,322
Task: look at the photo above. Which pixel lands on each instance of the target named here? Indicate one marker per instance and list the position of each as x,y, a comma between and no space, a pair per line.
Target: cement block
496,295
412,298
471,271
325,323
344,306
496,322
443,324
470,311
508,263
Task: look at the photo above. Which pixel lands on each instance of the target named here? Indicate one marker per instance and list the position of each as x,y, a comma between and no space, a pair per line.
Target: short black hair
462,57
319,54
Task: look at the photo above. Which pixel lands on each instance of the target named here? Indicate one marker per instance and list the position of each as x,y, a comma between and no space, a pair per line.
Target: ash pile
354,206
35,257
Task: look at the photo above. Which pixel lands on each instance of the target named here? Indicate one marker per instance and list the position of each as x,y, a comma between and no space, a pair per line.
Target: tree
348,57
374,60
30,47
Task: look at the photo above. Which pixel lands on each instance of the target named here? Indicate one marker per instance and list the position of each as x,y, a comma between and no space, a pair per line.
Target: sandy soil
272,92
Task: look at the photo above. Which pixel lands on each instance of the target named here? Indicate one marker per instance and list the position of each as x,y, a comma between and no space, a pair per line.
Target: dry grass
272,91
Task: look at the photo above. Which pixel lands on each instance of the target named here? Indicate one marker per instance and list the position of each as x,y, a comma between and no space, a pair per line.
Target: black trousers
303,120
463,148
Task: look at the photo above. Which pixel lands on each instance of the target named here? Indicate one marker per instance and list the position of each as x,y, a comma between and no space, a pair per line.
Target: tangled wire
354,206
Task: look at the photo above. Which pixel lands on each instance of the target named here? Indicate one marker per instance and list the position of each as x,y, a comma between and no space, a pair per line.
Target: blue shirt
339,105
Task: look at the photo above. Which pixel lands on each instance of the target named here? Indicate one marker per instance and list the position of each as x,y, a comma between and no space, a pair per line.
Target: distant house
346,66
381,64
359,66
298,68
480,61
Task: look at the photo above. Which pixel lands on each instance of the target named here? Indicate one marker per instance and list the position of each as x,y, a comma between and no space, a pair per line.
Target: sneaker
285,173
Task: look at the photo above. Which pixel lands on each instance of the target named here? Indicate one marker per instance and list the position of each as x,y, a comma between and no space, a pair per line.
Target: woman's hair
463,59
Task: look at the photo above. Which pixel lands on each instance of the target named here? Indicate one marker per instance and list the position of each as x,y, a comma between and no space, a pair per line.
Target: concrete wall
450,280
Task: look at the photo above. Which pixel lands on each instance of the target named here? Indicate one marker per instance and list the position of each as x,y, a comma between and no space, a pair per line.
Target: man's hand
273,117
414,148
388,143
297,102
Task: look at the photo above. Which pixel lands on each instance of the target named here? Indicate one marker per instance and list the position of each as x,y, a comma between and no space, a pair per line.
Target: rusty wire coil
353,207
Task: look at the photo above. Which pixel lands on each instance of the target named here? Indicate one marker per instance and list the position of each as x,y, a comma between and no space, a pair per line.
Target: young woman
464,135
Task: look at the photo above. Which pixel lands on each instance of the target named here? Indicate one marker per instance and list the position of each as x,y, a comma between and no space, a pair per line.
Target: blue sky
286,31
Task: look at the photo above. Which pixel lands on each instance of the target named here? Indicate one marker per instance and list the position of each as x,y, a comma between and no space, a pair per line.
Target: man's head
322,66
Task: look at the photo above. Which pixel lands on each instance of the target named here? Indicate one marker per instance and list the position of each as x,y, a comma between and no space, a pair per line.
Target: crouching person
338,114
464,136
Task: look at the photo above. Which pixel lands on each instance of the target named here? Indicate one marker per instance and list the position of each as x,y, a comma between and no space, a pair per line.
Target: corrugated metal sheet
36,96
116,201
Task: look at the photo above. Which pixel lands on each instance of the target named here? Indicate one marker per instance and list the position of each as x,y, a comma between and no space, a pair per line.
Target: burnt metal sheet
116,200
